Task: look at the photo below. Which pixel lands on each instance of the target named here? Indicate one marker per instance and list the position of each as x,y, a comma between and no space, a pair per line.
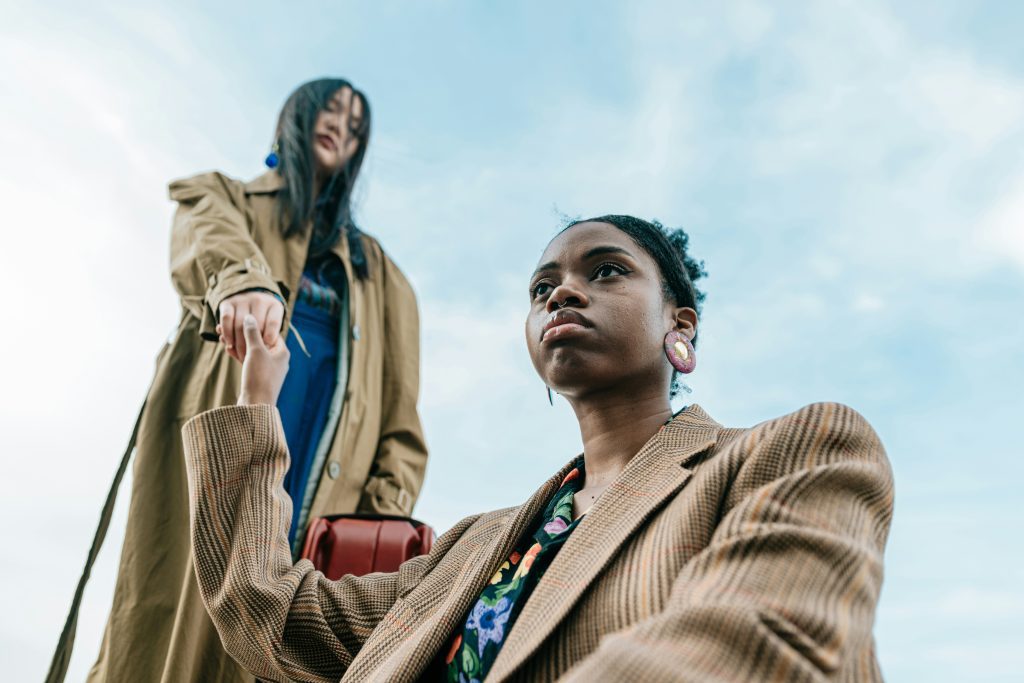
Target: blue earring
272,159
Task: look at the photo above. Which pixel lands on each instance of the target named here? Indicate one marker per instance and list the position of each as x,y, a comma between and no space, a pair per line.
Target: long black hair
331,211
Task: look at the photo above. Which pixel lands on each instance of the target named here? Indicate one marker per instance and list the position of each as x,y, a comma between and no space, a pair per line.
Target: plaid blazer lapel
650,479
412,652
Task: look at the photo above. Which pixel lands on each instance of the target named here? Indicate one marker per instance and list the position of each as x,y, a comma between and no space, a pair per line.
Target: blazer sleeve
213,253
281,621
788,584
396,475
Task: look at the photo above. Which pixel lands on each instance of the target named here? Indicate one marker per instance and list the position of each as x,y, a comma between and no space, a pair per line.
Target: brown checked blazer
717,555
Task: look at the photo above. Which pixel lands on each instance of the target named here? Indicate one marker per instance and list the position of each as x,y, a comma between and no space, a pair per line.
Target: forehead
571,244
343,98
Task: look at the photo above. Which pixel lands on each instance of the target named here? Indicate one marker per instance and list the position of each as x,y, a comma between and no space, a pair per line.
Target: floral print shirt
474,649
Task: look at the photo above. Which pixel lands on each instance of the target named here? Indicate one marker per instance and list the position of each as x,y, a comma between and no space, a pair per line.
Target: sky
850,172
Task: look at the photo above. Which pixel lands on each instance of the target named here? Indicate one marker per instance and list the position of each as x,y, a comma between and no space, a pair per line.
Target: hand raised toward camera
266,308
264,367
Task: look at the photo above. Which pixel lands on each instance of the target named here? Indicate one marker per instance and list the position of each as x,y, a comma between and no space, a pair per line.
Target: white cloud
468,353
868,302
1002,229
968,102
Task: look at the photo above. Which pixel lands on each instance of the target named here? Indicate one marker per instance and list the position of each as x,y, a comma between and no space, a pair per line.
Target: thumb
253,338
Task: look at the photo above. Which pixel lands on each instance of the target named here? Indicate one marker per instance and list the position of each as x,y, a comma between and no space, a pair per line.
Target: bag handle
66,643
313,535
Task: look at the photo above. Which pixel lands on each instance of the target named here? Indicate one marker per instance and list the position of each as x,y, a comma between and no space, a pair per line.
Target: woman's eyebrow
550,265
596,251
601,251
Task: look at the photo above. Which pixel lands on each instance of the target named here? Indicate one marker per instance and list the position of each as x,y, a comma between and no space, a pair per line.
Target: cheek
351,147
631,317
531,329
639,331
326,161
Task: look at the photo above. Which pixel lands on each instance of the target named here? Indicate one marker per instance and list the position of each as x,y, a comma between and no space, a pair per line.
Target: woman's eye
609,269
540,289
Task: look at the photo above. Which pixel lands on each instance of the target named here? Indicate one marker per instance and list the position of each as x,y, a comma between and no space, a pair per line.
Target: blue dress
309,387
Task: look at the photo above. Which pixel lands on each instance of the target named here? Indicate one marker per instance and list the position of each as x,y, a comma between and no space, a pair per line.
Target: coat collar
267,183
271,182
650,479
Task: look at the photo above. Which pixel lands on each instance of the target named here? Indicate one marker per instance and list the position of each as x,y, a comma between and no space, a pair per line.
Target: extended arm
214,258
282,622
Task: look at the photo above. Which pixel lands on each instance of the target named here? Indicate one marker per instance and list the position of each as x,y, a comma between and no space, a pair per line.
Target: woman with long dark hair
284,251
671,549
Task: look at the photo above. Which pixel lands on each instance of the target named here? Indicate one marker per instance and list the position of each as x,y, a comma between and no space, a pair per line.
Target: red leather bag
361,544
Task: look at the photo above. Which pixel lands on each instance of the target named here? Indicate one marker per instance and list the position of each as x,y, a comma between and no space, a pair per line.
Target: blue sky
851,174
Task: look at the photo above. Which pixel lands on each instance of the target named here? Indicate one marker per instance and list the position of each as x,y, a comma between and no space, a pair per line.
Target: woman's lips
563,331
327,141
564,323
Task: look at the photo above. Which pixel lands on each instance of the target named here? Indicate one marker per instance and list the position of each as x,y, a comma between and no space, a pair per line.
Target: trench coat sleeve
396,474
213,253
788,584
281,621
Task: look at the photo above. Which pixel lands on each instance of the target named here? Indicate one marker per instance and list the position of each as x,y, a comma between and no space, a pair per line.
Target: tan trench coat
226,239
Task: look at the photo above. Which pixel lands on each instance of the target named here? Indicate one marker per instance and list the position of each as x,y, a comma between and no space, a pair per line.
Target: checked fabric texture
718,554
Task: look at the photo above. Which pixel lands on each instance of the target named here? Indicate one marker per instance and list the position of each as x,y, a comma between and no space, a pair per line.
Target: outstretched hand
266,308
263,368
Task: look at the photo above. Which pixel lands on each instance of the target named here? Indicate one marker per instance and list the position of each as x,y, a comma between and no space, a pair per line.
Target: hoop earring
680,352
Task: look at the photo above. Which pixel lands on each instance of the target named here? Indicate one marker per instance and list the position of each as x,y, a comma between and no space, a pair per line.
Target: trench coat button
333,470
355,332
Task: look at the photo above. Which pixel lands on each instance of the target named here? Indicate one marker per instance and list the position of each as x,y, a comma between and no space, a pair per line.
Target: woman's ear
685,321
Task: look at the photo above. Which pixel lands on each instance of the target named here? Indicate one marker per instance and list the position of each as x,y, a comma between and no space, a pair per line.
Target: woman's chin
570,377
325,163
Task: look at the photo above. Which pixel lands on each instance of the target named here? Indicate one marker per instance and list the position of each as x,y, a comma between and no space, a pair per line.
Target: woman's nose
565,295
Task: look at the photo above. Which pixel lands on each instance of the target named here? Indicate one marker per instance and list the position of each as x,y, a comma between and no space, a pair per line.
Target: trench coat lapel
271,182
355,299
650,479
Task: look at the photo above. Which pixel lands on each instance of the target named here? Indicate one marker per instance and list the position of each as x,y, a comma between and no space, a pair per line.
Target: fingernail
249,320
